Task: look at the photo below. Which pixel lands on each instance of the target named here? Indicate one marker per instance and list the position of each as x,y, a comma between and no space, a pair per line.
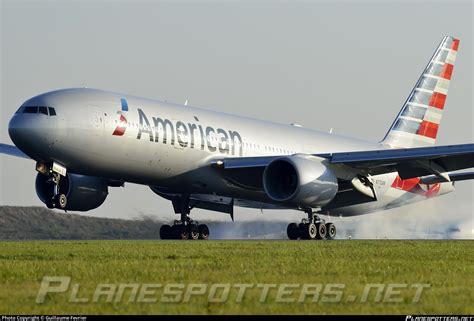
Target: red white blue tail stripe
418,122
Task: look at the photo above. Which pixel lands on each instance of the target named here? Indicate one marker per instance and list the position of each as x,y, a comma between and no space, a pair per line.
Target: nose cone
16,131
29,132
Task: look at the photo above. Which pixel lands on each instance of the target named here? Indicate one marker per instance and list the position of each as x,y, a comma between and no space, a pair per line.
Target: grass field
447,266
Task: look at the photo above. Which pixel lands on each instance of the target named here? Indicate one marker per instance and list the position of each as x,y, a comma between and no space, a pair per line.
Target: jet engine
299,180
83,193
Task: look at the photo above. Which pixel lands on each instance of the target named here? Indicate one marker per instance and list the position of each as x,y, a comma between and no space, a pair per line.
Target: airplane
86,140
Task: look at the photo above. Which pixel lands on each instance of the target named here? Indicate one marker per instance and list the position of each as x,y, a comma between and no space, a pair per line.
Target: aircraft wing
12,151
409,162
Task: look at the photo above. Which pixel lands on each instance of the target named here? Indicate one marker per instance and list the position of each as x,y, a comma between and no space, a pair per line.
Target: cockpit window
30,110
37,109
43,110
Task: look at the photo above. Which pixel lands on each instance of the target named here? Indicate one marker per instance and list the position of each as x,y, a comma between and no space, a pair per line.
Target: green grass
448,266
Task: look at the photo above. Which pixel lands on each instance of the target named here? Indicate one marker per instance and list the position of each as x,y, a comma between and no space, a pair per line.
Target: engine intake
83,193
300,181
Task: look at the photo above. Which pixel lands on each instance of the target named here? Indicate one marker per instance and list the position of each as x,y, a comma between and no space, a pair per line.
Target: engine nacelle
83,193
302,181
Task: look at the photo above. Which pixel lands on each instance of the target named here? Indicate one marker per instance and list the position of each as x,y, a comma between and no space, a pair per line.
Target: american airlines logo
188,135
122,126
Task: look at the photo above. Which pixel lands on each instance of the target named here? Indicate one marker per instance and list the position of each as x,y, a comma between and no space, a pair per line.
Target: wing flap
453,177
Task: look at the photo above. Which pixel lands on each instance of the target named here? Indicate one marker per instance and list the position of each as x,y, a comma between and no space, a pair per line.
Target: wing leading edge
12,151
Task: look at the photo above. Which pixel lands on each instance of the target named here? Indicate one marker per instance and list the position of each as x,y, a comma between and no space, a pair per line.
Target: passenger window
30,110
52,112
43,110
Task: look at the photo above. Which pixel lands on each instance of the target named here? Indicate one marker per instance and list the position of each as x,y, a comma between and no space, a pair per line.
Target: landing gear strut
59,200
185,228
54,171
311,228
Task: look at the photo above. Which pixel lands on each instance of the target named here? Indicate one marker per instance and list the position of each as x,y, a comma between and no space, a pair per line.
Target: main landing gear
190,230
312,228
185,228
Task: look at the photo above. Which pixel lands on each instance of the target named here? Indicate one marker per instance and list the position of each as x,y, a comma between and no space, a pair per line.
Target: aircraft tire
165,232
302,231
50,204
203,232
183,232
331,231
193,232
292,231
321,231
60,201
175,232
310,231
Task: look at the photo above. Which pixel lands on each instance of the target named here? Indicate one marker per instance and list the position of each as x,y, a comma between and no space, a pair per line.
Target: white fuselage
169,145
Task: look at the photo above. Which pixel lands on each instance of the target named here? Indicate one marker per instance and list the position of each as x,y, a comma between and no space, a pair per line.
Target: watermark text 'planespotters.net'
75,292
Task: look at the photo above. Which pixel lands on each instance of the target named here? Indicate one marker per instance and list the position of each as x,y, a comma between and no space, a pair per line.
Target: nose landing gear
55,172
59,199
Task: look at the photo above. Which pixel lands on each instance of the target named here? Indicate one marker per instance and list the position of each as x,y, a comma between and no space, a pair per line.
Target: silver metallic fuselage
80,137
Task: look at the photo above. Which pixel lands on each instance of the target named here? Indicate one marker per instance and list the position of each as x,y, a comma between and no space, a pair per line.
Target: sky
346,65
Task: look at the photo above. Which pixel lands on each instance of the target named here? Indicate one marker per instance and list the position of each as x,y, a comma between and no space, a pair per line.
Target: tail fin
417,123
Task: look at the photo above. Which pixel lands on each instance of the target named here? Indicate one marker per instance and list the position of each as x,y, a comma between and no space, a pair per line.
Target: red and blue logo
122,125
